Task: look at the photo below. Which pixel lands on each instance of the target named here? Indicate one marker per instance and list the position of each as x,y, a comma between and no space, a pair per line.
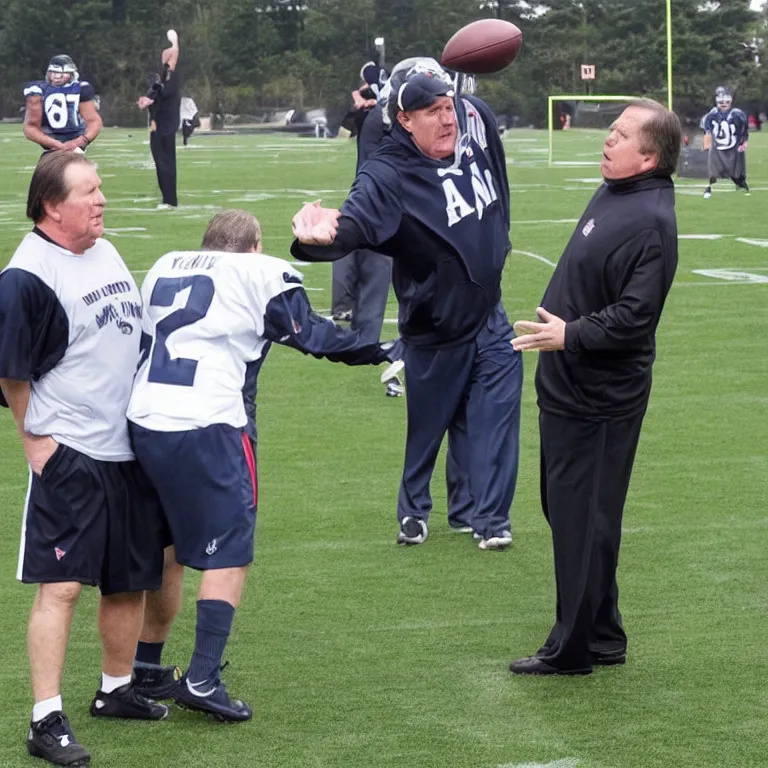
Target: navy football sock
149,653
214,622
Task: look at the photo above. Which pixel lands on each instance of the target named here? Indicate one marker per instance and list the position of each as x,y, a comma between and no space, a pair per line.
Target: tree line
252,55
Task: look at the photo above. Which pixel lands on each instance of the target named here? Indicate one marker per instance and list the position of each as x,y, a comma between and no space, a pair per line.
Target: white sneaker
461,529
413,530
500,541
392,380
164,207
707,195
392,371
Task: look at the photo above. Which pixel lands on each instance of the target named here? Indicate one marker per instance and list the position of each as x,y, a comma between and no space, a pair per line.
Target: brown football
483,47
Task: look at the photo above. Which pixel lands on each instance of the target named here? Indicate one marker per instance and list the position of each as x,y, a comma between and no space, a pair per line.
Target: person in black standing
163,100
597,337
360,281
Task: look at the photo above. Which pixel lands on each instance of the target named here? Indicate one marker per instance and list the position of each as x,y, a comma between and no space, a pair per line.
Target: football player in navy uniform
436,199
727,131
60,110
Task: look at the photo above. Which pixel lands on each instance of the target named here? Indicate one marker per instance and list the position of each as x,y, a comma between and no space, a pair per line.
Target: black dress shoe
533,665
609,659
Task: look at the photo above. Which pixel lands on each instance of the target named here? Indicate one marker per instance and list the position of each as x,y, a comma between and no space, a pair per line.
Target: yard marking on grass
700,237
750,241
548,221
535,256
731,275
566,762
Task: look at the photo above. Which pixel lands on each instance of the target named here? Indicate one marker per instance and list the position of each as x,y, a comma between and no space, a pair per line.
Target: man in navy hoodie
435,198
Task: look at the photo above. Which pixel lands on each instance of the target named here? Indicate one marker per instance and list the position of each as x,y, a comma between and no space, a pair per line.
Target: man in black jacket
163,100
598,322
437,201
364,276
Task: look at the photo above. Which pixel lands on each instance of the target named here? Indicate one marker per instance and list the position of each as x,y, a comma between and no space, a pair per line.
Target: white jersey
70,325
204,320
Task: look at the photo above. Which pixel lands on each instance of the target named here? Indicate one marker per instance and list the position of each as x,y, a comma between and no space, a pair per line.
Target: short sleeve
34,329
86,91
33,89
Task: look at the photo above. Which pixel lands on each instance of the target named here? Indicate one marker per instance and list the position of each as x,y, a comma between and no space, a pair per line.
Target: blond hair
232,230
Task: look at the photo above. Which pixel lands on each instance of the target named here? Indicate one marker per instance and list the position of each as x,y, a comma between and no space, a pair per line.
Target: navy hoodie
446,228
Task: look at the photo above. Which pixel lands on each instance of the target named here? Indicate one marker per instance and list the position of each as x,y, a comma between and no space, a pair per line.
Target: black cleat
52,739
211,697
127,702
155,681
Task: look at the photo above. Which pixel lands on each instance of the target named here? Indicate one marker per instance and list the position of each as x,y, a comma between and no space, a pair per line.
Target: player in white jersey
70,322
209,319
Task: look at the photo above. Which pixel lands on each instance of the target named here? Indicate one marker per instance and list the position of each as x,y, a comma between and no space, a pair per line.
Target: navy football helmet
723,97
61,65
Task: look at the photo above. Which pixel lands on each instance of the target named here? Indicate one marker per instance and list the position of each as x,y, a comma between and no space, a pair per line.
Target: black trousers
369,279
342,285
163,147
585,472
187,129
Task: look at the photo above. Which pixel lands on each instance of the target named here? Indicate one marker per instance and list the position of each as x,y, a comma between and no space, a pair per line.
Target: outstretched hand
315,225
546,336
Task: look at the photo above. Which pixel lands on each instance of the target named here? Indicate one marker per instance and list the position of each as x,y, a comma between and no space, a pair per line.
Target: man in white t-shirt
70,324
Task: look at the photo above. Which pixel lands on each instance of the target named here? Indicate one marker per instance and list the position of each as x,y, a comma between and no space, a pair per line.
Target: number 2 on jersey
164,369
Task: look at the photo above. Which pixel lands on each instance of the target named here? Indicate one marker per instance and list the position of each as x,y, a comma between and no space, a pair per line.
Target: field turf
357,654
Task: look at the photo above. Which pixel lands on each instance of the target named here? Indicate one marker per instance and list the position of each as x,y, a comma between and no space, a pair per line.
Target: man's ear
52,212
404,120
650,161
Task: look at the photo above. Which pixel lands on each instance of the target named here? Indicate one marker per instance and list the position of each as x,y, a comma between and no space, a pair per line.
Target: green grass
354,653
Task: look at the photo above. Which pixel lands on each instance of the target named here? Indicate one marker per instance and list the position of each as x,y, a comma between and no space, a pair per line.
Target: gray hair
232,230
662,135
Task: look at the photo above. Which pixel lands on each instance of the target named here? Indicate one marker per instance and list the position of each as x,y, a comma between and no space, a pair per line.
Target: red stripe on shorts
251,462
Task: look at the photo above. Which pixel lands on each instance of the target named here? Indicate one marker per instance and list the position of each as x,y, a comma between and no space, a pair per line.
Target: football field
355,653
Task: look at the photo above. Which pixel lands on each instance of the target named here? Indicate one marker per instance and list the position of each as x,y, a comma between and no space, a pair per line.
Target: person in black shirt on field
597,337
163,100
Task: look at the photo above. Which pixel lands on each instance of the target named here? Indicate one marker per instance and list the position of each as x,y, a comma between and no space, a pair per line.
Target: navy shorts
95,522
206,480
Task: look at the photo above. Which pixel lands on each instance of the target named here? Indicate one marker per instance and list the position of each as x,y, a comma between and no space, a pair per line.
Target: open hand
546,336
315,225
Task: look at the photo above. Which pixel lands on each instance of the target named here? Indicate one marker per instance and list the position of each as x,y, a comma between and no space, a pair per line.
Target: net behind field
578,127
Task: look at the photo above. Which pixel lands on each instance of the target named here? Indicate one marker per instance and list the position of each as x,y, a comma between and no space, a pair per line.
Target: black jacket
447,229
609,286
165,91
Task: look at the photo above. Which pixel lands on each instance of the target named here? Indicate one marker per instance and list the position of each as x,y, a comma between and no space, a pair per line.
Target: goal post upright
574,97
